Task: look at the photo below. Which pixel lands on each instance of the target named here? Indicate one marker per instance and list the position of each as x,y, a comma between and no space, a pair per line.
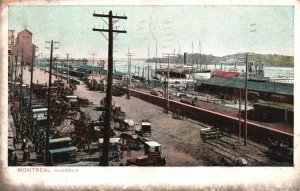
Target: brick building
24,42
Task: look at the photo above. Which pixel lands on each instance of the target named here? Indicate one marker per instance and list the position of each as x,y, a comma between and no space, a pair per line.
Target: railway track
229,150
202,114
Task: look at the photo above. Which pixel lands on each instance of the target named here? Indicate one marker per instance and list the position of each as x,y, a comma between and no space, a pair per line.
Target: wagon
210,133
40,112
152,156
146,128
60,151
279,150
114,148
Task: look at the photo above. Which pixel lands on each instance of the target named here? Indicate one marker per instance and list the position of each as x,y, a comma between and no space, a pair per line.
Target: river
138,66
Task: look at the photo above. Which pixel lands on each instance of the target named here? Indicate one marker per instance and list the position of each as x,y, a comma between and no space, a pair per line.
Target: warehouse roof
118,74
90,68
262,86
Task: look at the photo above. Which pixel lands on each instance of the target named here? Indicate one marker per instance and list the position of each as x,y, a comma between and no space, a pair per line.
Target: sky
216,30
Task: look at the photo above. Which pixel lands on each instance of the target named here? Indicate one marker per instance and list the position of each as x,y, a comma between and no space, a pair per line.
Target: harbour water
138,66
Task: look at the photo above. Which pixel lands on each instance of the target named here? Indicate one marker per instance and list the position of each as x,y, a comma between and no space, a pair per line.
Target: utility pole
246,101
93,70
55,60
15,68
192,55
21,94
240,125
11,61
31,82
68,80
12,76
168,75
105,150
47,154
179,56
148,67
246,58
102,68
155,60
246,91
167,84
129,54
61,68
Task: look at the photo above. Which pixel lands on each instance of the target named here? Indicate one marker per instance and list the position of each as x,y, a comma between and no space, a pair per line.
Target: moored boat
224,73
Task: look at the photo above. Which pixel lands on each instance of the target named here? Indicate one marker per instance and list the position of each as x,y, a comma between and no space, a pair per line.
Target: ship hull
224,74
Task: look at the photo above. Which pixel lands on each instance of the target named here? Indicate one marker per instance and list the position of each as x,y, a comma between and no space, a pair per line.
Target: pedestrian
15,160
26,153
24,143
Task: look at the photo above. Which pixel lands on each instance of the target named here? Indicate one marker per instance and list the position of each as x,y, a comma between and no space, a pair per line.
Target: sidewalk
16,145
11,125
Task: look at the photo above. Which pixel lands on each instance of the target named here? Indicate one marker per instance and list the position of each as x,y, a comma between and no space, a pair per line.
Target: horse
126,147
125,137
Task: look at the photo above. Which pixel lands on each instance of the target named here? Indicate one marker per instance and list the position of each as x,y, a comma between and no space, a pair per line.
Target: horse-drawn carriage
135,142
88,131
146,128
83,102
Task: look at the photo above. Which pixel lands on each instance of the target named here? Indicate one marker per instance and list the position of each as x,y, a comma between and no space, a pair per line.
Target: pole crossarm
114,17
54,42
129,54
53,48
107,30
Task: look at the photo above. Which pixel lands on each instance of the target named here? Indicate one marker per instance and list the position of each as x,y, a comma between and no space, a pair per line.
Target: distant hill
276,60
266,59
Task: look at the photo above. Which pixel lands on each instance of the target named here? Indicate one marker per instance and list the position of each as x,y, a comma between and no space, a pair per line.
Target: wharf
180,139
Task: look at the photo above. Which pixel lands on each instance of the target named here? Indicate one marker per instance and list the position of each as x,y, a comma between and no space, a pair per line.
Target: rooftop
271,87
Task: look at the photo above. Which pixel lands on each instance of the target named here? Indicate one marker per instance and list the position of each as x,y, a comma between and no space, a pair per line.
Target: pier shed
89,69
231,86
118,75
272,113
